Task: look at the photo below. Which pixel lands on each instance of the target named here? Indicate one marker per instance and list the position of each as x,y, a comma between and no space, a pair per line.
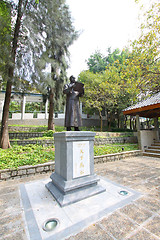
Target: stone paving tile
20,235
142,235
91,233
155,195
149,203
155,181
9,203
11,223
158,188
10,218
136,213
7,190
154,226
152,185
118,225
142,187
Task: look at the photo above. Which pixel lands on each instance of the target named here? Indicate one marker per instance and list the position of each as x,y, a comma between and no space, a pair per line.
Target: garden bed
23,171
25,158
18,156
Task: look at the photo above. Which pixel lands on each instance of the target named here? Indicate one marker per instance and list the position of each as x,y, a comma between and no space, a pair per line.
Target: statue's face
72,79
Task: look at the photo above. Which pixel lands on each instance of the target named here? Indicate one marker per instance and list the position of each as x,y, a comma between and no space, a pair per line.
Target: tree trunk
118,120
4,140
51,110
100,115
4,143
107,120
110,121
101,123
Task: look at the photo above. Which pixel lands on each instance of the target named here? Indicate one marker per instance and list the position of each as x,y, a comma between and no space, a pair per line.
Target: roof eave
141,109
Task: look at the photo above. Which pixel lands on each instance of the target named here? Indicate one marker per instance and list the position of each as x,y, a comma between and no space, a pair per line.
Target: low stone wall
113,134
98,141
116,156
102,141
26,171
45,143
25,135
50,166
24,129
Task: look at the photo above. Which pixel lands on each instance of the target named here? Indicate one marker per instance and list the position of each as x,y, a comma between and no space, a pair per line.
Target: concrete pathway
140,220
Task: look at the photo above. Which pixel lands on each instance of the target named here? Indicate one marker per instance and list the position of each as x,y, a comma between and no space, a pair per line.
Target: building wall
147,138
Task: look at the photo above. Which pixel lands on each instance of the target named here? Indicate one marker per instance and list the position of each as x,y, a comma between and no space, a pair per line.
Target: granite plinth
74,178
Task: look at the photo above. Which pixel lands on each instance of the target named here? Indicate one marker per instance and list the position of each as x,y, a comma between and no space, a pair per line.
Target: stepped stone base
73,191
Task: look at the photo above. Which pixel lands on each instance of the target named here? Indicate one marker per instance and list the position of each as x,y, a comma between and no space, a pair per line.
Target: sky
103,24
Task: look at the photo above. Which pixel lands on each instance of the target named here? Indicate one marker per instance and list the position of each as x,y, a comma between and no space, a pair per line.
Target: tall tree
4,141
124,76
17,12
94,98
50,48
144,68
115,88
110,89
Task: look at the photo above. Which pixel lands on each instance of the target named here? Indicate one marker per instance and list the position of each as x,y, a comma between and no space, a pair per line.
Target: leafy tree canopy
5,35
144,68
97,63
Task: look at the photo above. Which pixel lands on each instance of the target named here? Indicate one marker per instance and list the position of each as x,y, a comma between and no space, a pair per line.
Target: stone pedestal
74,178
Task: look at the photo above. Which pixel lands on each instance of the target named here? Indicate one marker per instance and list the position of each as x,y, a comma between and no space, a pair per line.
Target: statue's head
72,79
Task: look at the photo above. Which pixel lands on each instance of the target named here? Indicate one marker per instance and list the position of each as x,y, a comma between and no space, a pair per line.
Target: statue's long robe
72,113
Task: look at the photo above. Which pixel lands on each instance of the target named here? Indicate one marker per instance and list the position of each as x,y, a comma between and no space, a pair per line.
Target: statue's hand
71,85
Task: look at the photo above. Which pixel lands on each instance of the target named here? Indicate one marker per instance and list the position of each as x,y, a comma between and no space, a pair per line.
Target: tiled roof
149,101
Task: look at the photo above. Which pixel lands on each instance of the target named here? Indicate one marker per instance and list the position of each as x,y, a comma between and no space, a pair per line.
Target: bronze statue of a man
73,91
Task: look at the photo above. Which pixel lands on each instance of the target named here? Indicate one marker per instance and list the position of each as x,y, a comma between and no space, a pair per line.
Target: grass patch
31,154
114,148
25,155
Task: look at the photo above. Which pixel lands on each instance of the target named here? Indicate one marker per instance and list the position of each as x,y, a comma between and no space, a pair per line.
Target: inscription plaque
81,159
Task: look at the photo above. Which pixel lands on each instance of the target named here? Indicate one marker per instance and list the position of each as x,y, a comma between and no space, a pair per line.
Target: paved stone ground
140,220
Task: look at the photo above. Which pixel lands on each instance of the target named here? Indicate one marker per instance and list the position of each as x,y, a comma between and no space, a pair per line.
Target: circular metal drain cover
123,193
50,224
